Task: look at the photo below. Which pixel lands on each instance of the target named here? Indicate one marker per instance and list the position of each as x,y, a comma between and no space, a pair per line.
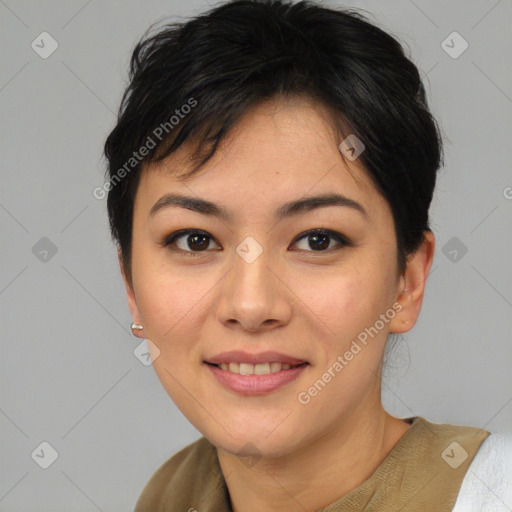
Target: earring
136,327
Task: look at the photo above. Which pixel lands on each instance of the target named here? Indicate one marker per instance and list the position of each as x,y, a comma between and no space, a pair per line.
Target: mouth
255,369
254,374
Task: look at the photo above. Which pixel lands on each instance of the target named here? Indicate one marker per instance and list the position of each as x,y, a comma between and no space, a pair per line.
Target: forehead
279,151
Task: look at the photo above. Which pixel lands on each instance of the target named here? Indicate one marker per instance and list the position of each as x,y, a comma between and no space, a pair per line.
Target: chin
255,441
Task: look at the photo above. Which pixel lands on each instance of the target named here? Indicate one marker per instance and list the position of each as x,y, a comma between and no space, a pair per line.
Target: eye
319,240
195,241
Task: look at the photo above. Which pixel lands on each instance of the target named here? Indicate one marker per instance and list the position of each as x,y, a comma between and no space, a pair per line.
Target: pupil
195,238
323,245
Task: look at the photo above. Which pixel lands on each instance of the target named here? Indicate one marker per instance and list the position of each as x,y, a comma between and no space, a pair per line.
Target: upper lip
237,356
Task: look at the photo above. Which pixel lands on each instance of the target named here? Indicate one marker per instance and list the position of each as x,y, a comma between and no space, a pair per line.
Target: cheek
166,295
169,308
172,308
346,303
349,305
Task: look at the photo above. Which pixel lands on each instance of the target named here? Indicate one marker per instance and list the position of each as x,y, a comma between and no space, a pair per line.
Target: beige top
423,472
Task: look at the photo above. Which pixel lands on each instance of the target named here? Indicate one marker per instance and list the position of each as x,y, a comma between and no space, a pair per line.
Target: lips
253,359
254,374
255,384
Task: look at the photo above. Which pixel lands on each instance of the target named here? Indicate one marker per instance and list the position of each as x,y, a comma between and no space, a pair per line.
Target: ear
412,286
132,303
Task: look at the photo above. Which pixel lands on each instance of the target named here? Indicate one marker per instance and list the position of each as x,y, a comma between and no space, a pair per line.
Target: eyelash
341,239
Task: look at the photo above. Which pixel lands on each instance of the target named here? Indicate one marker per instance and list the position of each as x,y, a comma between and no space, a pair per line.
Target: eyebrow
289,209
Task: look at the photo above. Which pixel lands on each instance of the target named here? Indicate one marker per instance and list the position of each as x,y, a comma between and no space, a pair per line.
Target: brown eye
189,240
193,241
319,240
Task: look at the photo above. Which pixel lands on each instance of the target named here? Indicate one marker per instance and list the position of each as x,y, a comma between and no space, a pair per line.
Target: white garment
487,485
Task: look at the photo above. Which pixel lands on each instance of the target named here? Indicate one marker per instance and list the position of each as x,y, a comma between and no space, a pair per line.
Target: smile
255,379
256,369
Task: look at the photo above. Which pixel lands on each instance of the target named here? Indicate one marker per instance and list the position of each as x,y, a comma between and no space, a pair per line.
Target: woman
270,177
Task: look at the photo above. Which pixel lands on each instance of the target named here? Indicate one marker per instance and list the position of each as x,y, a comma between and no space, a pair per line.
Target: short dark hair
245,51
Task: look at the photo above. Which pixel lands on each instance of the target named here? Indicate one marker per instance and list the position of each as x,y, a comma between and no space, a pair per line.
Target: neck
317,474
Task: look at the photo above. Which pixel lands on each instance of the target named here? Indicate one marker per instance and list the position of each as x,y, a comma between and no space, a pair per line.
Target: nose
253,297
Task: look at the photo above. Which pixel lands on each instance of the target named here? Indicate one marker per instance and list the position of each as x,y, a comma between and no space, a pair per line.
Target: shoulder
427,465
451,431
456,444
180,478
488,482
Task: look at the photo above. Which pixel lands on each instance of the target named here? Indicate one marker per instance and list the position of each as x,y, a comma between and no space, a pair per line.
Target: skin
292,299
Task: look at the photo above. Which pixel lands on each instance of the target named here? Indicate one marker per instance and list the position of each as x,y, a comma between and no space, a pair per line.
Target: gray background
69,375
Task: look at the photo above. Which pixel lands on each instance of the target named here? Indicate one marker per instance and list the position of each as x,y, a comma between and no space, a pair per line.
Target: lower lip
255,384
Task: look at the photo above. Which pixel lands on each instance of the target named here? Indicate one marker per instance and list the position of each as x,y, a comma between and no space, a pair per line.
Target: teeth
262,369
256,369
275,367
246,369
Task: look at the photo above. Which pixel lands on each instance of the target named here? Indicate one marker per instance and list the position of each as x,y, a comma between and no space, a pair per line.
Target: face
259,287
